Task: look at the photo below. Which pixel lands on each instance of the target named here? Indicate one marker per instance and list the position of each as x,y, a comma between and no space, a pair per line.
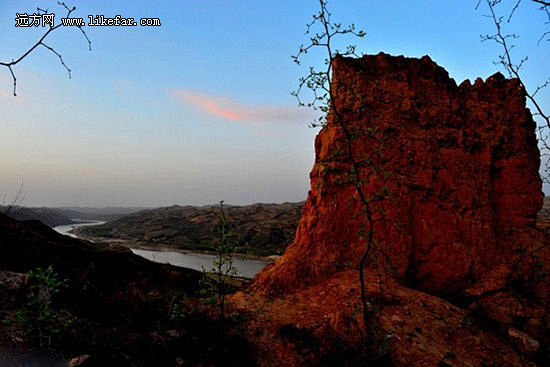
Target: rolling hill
264,229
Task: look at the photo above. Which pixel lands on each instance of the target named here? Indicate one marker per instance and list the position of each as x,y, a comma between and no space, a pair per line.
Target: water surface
66,228
246,268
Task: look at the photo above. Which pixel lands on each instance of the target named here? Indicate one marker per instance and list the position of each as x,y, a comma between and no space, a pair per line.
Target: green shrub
38,316
216,281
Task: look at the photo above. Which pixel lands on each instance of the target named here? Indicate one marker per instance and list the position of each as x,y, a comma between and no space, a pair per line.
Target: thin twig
324,87
59,56
40,42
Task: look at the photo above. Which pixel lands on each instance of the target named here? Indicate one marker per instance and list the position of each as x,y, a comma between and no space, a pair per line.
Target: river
66,228
246,268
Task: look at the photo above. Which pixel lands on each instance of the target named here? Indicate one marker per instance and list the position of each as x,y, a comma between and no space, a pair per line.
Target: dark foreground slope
117,306
49,216
265,229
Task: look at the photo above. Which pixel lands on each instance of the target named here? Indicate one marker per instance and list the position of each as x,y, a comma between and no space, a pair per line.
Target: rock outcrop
451,172
464,166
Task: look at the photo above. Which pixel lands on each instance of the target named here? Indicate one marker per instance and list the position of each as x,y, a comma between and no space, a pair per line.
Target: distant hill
106,214
543,217
48,216
67,215
265,229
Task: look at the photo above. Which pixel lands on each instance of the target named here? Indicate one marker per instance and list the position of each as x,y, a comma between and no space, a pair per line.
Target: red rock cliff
460,273
461,163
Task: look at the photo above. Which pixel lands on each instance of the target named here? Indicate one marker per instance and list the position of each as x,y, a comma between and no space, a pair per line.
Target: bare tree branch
505,59
11,208
40,42
324,92
59,56
514,70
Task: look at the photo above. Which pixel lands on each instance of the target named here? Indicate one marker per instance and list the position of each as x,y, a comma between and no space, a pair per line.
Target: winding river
67,228
246,268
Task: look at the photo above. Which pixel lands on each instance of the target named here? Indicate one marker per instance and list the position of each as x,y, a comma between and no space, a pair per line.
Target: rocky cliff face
460,162
451,172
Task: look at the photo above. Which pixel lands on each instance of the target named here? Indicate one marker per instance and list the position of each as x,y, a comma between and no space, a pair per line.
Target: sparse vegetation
217,280
38,315
324,91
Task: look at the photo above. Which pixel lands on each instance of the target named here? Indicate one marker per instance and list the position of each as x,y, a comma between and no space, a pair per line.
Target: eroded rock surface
457,166
464,178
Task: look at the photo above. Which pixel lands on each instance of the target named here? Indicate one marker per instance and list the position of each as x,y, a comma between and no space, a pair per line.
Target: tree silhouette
512,65
324,92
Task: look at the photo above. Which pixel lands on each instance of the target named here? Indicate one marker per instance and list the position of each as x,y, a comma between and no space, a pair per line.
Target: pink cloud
230,110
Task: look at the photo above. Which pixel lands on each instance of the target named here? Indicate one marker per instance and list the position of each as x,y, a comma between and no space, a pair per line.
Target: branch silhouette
513,68
40,42
324,92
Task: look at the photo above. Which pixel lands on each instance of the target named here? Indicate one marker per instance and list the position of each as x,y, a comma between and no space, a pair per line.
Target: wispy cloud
234,111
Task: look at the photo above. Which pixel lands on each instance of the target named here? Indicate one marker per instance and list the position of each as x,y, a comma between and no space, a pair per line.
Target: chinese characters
34,20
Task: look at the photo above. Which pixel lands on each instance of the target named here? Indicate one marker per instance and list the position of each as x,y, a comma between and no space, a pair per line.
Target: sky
199,109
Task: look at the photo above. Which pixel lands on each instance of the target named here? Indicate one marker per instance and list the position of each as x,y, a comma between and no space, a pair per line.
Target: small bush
37,316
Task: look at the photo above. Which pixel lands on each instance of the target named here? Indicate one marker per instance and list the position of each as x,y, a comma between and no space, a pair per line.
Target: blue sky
199,109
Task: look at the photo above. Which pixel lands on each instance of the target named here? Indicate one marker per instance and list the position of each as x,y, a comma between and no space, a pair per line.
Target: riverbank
243,268
246,265
164,248
262,229
77,233
67,229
